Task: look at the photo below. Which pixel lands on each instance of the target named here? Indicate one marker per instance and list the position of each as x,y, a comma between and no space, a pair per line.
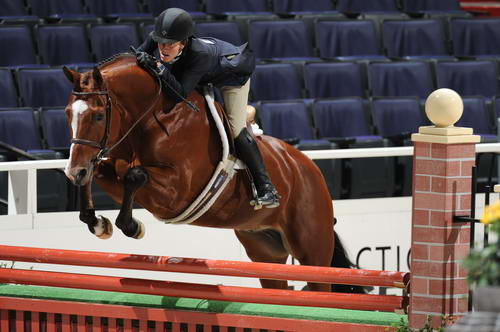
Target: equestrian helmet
173,25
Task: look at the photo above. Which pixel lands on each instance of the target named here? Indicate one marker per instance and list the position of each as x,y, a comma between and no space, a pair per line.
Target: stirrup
269,200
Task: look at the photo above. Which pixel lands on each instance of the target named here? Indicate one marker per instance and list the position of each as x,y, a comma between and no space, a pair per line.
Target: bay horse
162,154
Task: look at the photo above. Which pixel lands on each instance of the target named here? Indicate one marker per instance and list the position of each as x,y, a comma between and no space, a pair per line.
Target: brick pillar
442,164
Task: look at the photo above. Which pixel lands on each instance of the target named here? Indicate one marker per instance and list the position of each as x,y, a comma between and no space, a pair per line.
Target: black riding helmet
173,25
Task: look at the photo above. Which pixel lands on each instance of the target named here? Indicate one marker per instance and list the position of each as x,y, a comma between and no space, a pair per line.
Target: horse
161,154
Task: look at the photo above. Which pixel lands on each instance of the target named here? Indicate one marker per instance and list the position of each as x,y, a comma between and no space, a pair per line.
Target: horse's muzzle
79,176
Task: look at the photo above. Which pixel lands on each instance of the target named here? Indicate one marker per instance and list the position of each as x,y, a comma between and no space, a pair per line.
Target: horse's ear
73,76
96,74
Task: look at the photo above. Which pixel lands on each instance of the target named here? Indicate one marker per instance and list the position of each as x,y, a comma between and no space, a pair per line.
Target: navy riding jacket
203,61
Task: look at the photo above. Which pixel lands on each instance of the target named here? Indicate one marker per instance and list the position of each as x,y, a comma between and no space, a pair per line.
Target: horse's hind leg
311,245
100,226
265,246
134,179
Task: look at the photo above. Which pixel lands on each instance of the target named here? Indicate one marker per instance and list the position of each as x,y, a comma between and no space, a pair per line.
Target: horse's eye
99,116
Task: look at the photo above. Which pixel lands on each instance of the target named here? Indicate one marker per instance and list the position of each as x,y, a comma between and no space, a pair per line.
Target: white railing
22,174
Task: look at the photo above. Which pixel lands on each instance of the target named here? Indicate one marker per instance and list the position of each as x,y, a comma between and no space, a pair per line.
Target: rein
103,150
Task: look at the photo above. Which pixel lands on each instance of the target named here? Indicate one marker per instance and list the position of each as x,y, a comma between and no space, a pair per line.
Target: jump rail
190,290
207,266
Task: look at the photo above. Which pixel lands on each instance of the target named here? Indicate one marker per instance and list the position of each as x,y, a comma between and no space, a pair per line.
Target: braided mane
113,58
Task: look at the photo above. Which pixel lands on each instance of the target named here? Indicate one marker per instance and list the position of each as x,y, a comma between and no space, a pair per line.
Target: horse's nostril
81,174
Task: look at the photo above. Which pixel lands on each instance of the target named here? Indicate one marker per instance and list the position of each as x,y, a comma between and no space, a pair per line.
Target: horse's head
89,116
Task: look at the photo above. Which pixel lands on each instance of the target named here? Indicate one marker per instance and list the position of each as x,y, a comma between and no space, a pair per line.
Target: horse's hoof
141,230
104,228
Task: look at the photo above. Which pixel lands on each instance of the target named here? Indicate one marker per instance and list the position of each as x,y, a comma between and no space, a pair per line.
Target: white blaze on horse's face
77,108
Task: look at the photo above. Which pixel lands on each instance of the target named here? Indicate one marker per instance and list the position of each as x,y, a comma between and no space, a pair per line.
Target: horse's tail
340,259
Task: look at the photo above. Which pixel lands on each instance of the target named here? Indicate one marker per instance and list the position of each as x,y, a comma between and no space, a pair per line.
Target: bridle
102,144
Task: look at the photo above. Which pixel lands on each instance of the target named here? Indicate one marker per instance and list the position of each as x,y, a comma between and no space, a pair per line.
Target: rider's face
169,51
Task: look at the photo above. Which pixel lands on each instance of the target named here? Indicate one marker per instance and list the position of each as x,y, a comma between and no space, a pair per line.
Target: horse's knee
135,178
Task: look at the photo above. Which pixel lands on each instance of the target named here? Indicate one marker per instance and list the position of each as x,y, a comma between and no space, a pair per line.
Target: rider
186,61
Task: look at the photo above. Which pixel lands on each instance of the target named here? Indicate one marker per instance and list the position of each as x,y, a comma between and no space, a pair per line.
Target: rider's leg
235,101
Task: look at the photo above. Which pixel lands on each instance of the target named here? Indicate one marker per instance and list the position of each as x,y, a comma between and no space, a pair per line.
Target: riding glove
147,61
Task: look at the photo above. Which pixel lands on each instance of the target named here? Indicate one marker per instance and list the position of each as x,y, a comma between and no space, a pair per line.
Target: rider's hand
146,61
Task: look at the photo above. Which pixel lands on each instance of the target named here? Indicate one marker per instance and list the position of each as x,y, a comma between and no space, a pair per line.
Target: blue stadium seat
346,122
335,79
145,30
17,46
415,38
191,6
82,68
396,119
468,78
342,118
55,129
300,6
400,79
113,7
13,122
43,87
52,193
280,39
364,6
431,6
348,39
12,8
63,44
475,37
477,116
286,120
47,8
496,105
109,39
232,7
8,93
397,116
275,82
227,31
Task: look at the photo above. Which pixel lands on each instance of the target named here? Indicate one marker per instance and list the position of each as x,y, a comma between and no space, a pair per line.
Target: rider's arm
189,78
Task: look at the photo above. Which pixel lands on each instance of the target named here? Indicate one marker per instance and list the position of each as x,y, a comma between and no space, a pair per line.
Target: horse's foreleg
100,226
134,179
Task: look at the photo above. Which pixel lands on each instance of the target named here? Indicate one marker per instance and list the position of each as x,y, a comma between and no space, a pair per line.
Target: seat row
48,8
373,79
302,120
331,39
45,87
358,123
348,120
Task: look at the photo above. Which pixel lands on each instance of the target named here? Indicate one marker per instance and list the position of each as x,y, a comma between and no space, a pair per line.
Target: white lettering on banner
384,255
376,232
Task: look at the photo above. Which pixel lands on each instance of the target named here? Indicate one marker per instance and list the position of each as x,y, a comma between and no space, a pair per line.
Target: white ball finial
444,107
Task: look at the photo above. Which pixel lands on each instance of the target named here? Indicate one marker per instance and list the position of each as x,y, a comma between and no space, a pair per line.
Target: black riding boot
249,153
